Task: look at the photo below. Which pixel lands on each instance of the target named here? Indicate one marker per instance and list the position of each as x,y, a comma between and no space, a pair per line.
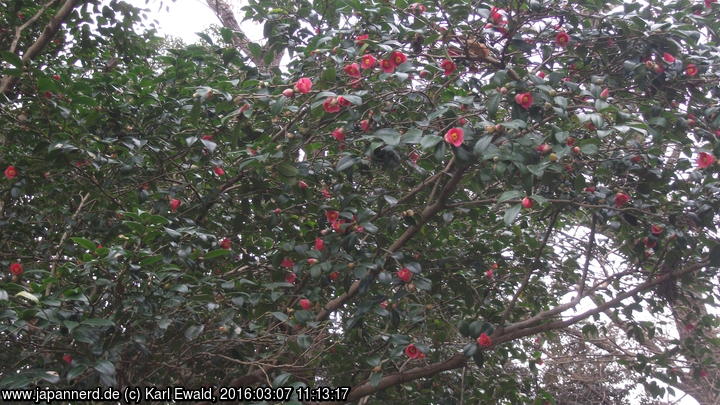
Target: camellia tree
420,201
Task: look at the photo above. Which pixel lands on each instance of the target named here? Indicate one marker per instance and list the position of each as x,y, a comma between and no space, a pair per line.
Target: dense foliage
416,204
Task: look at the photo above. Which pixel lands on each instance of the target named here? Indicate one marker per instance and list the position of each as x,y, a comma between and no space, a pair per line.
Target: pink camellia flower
339,134
360,39
287,263
331,105
526,202
412,351
524,99
418,8
302,185
708,3
705,160
365,125
621,199
656,230
10,172
288,93
455,136
590,189
496,17
368,61
303,85
383,304
16,269
326,193
405,274
541,74
489,273
174,204
484,340
319,244
448,67
226,243
691,69
352,70
277,211
305,304
332,216
359,229
387,65
67,358
668,58
562,38
219,171
312,261
398,58
207,138
605,94
290,278
543,148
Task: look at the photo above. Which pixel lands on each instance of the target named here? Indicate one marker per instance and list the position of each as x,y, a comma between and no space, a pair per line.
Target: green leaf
429,141
28,296
150,260
287,169
11,58
470,349
375,379
481,145
105,367
87,244
388,135
357,100
511,213
194,331
346,162
98,322
492,104
510,195
217,253
280,316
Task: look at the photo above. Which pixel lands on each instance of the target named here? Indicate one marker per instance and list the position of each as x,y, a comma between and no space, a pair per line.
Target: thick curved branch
52,27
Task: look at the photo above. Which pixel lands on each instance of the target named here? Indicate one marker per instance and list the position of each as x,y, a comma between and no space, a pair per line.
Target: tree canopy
440,202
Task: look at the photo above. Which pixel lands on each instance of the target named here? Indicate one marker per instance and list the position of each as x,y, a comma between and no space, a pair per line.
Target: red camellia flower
352,70
360,39
414,157
365,125
56,77
326,193
489,273
332,216
219,170
590,189
668,58
337,226
226,243
705,160
207,138
708,3
383,304
496,17
305,304
288,93
303,85
524,99
448,67
541,74
484,340
367,61
543,148
412,352
691,69
312,261
562,38
656,229
338,134
418,8
319,244
387,65
398,58
174,204
277,211
621,199
405,274
333,276
10,172
302,185
16,269
67,358
605,94
287,263
526,202
455,136
290,278
343,102
331,105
